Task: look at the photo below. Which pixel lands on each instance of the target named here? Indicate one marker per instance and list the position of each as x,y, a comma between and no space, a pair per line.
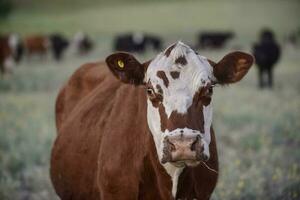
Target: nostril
205,157
172,147
194,144
169,145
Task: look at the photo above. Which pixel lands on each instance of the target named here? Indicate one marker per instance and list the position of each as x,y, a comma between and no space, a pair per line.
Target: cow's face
179,85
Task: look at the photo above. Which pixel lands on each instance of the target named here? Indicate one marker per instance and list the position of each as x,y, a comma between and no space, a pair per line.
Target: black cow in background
213,40
266,53
137,42
59,44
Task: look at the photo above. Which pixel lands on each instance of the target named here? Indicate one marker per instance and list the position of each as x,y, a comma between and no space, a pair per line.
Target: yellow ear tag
121,63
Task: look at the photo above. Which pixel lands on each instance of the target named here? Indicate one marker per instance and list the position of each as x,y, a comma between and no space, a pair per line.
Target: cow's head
179,85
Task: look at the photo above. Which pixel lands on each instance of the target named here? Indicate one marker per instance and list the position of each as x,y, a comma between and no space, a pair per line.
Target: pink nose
181,148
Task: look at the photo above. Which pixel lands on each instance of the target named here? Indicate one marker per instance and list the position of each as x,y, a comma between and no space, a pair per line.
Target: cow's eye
150,92
205,98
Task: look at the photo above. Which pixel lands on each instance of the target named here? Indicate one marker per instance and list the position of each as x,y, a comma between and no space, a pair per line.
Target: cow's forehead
180,63
180,72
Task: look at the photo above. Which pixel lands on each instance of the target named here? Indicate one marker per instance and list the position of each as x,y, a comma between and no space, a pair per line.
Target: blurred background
256,121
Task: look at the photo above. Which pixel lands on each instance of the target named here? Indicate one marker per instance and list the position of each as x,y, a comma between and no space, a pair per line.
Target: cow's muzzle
187,149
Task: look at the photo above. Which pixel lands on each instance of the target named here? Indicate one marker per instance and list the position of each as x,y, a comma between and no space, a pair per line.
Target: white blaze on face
178,96
178,93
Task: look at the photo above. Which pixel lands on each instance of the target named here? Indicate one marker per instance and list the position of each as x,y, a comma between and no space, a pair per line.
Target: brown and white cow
11,50
151,138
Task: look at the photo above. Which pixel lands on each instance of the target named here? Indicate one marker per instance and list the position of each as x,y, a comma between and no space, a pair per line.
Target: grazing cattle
153,42
137,42
131,130
11,51
83,43
58,45
213,40
266,53
36,45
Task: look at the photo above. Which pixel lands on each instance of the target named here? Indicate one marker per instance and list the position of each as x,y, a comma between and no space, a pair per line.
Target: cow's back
36,44
82,82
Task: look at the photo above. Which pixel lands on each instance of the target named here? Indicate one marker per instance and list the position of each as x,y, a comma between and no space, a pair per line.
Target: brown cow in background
36,45
151,138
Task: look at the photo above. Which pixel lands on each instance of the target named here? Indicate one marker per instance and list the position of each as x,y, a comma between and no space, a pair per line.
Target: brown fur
169,50
159,89
175,74
83,81
5,52
155,98
181,60
199,182
163,76
233,67
104,149
36,44
132,70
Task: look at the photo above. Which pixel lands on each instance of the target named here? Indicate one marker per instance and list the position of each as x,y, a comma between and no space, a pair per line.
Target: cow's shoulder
82,82
101,119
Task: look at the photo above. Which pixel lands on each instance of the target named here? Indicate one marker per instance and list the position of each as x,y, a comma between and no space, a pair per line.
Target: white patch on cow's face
178,96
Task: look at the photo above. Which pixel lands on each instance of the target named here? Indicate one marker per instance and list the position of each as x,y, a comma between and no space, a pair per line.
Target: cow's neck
174,172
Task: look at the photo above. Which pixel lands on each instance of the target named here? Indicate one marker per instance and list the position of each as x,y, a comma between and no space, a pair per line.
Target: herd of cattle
13,48
139,42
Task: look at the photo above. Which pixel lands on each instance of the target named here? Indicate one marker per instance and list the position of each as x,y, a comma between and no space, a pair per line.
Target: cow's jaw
178,96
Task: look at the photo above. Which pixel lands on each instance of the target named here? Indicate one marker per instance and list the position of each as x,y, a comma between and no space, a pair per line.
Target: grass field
257,130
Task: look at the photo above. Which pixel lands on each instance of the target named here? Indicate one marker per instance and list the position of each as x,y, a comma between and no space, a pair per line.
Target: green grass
258,136
257,130
27,132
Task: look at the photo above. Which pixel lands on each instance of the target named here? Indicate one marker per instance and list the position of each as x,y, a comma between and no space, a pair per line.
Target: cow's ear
232,68
126,68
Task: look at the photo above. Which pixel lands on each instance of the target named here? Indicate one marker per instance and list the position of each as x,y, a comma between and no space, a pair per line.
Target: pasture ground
257,130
